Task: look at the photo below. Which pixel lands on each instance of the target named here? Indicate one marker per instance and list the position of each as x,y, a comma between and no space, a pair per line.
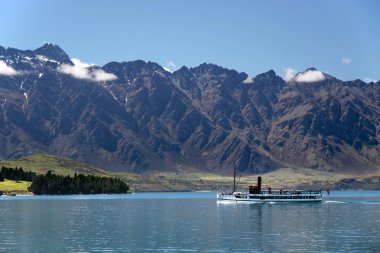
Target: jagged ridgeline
136,116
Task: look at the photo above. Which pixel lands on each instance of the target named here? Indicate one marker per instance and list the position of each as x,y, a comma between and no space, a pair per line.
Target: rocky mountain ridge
136,116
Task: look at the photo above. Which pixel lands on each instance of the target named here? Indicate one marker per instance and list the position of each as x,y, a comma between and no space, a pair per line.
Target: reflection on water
188,222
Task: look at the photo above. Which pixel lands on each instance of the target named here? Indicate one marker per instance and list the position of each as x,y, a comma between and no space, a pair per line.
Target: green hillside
196,181
41,164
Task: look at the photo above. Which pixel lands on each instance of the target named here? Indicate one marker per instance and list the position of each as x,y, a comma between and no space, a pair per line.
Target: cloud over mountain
289,74
7,70
170,66
83,70
310,76
248,80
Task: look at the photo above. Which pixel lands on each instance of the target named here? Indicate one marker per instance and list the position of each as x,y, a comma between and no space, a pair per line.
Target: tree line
79,184
56,184
17,174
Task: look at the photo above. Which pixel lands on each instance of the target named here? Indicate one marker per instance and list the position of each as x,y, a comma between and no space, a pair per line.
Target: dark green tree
79,184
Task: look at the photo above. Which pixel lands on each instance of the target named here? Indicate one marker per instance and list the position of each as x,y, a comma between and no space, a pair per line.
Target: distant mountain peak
212,69
183,68
271,73
53,52
49,46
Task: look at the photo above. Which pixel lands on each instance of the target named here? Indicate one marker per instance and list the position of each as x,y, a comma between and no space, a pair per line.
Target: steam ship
256,194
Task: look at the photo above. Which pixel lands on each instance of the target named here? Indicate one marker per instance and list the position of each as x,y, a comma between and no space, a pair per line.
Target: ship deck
273,196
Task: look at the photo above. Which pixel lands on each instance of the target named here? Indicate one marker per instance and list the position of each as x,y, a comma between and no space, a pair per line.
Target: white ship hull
256,194
272,197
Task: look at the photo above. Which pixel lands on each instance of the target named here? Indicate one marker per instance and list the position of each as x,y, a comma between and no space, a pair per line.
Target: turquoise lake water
346,221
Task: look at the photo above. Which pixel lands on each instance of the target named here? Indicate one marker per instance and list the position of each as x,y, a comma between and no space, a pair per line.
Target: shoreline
162,192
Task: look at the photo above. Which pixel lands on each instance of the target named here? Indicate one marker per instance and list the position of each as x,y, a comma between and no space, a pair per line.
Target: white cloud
79,63
76,71
290,73
81,70
369,80
167,69
346,60
102,76
7,70
170,66
308,76
248,80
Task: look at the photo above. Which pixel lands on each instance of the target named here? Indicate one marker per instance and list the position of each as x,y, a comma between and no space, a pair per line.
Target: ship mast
234,180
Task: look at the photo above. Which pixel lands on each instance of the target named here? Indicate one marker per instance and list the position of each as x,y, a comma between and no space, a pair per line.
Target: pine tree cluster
17,174
79,184
56,184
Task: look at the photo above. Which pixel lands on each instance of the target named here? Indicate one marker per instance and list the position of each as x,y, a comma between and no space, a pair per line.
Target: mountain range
136,116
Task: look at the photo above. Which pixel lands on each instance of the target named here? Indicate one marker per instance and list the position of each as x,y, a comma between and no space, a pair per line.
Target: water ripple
171,224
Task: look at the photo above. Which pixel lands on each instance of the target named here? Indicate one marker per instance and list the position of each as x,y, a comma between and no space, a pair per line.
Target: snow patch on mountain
45,59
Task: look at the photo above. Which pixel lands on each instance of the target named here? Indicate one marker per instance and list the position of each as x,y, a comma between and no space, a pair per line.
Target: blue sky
340,37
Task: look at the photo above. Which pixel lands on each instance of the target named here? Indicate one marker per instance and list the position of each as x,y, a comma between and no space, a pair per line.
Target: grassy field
41,164
285,178
21,187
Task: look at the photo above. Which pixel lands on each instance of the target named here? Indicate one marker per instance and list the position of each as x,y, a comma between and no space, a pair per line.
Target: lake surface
188,222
